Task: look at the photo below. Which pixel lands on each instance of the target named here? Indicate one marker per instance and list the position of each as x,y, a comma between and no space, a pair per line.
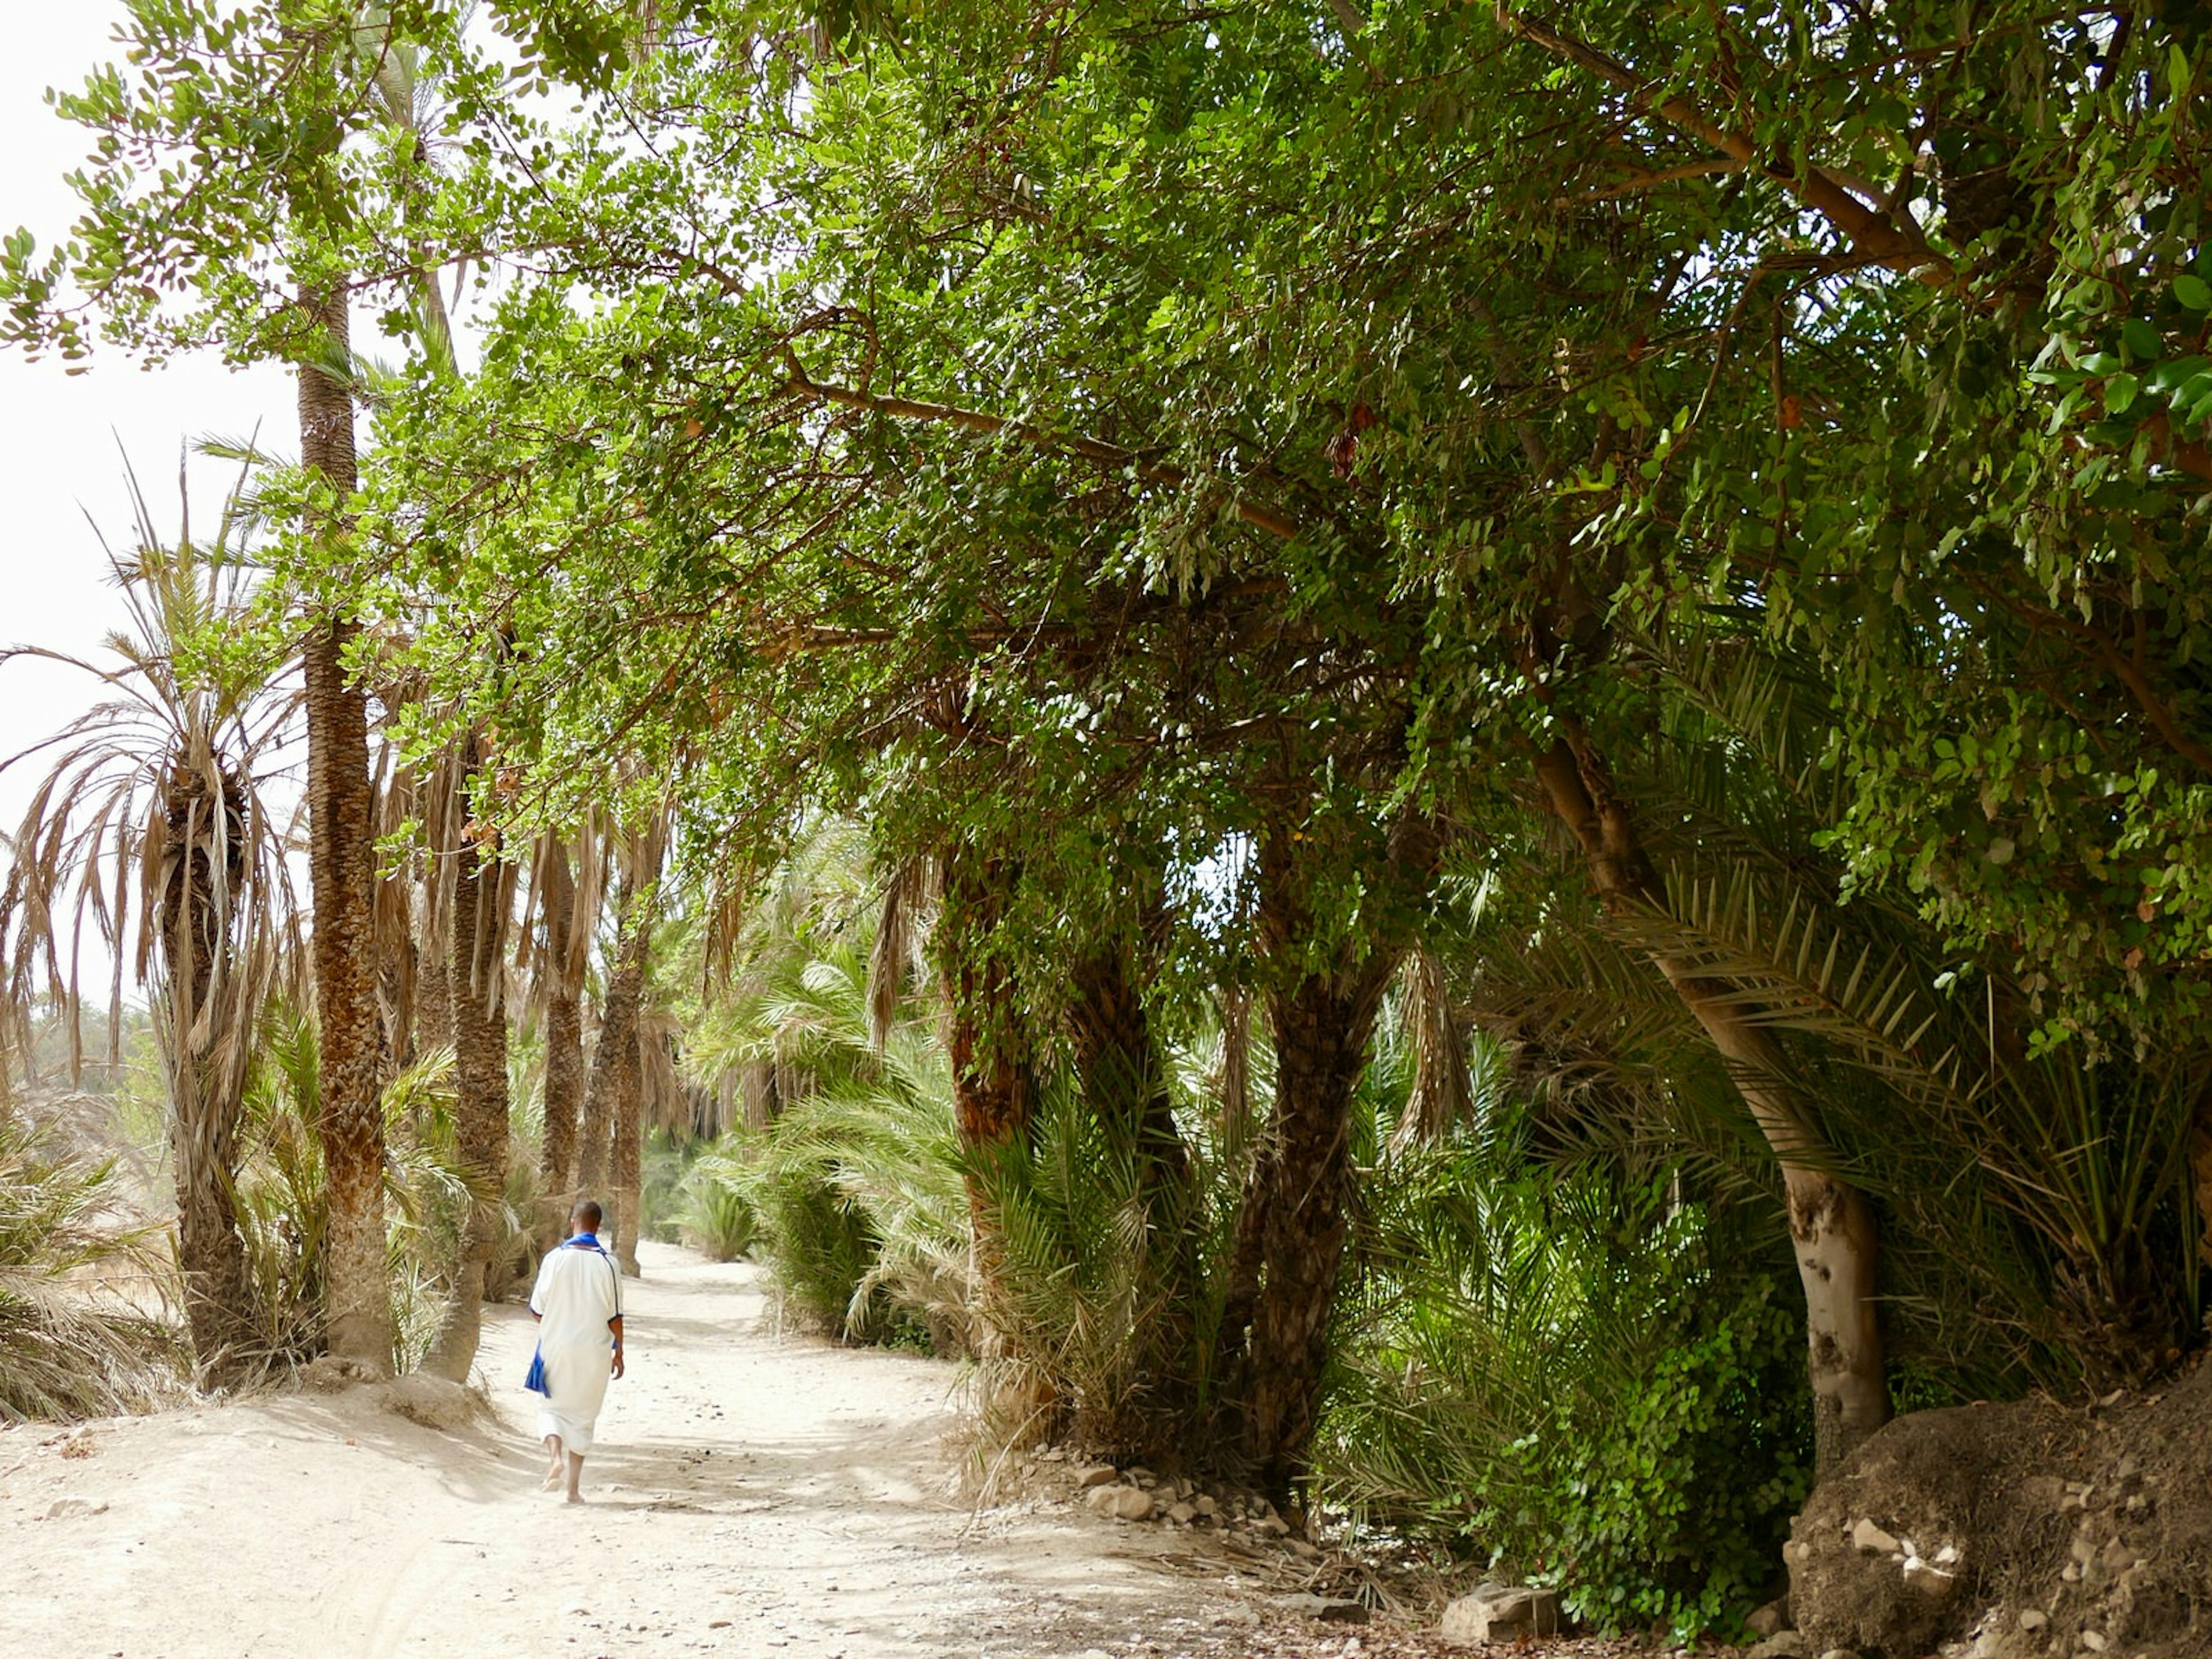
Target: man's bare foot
573,1497
552,1481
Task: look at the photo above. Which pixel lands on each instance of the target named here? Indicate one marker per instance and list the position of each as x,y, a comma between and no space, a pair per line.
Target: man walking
578,1304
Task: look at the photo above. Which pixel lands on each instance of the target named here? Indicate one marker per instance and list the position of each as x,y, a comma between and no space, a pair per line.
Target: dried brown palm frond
152,827
666,1103
895,956
1443,1077
564,879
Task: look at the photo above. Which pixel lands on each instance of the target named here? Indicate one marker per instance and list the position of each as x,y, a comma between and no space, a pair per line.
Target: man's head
585,1217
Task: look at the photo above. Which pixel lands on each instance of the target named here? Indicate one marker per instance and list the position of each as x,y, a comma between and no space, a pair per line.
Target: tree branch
1639,182
1875,236
2124,668
1094,450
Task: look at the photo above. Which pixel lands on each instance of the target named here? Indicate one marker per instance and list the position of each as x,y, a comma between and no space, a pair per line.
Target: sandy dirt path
750,1495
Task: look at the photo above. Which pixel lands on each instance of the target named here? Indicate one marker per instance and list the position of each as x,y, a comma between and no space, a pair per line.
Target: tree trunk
2201,1165
564,1031
478,977
398,968
206,1073
1831,1224
626,1177
341,861
1118,1064
1110,1035
993,1088
1288,1253
614,1059
434,993
758,1084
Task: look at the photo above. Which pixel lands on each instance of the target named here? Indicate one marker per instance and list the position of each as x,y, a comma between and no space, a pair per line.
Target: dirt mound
2018,1531
435,1403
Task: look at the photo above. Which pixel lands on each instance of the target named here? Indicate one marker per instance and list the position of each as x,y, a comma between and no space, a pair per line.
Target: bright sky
59,435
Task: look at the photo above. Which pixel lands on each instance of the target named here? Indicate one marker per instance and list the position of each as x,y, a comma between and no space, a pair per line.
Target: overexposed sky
59,434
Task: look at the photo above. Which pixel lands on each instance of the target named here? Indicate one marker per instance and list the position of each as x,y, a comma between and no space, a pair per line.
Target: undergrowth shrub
283,1199
1109,1296
1577,1377
712,1213
71,1346
855,1190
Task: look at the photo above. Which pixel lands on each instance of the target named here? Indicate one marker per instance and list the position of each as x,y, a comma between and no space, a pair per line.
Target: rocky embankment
2022,1531
1329,1587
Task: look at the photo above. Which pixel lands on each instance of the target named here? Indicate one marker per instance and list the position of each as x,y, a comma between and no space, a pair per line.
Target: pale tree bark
626,1176
342,867
477,975
1831,1224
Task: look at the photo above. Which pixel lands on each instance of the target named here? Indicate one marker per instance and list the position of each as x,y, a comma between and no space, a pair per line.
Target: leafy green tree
1086,406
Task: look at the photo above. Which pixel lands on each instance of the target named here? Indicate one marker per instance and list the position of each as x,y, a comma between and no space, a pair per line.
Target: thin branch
1637,183
1875,236
1094,450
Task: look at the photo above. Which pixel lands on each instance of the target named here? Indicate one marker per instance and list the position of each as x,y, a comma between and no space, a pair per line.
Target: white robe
579,1290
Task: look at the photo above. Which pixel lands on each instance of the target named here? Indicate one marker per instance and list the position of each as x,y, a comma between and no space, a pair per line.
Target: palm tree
613,1102
564,884
475,891
151,823
340,795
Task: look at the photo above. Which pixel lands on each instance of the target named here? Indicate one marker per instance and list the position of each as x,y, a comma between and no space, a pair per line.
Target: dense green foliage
1578,1375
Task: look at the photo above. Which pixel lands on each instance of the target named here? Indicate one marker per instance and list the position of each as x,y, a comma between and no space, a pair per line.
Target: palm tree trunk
204,1081
614,1059
626,1178
993,1089
1830,1222
478,976
341,867
1288,1253
1118,1063
625,1213
564,1030
398,967
433,990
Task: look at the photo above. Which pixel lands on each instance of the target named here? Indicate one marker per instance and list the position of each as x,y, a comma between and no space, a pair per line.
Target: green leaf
2192,292
2141,339
2120,393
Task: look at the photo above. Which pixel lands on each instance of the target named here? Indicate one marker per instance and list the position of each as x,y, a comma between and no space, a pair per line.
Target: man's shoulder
563,1258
